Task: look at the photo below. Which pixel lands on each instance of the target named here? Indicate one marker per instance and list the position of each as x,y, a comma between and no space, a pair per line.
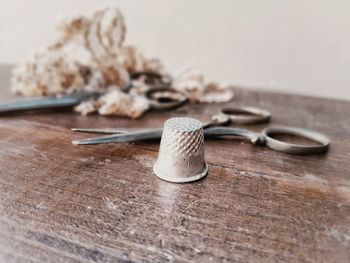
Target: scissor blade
116,138
36,104
109,130
69,100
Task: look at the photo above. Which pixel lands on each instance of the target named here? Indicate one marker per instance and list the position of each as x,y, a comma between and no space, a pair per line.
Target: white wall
292,46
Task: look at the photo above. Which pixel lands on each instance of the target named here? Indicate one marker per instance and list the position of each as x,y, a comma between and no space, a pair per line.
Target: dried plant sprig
89,54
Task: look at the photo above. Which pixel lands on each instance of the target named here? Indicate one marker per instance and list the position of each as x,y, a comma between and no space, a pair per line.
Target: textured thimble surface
181,152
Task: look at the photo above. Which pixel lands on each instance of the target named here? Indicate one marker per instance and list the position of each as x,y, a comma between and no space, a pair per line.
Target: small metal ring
254,115
291,148
165,98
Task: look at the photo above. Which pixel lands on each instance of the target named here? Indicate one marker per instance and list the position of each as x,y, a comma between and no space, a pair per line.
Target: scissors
158,83
217,129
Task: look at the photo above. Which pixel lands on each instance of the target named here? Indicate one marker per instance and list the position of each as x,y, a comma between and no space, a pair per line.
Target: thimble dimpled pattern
183,136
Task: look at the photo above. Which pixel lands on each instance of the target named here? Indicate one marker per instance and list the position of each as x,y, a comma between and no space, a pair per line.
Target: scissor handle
244,115
265,138
165,98
153,76
153,79
291,148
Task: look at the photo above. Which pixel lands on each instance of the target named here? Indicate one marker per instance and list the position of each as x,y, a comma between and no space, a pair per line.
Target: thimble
181,151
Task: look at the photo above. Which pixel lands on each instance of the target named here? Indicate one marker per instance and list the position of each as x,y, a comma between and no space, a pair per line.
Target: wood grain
64,203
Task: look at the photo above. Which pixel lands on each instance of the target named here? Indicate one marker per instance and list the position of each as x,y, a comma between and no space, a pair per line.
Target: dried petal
112,28
190,83
131,59
47,73
72,27
93,38
86,107
216,93
154,65
113,73
119,103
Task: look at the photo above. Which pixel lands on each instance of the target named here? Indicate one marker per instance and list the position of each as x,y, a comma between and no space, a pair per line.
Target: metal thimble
181,152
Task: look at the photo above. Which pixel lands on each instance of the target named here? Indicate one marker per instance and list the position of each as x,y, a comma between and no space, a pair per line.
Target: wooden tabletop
65,203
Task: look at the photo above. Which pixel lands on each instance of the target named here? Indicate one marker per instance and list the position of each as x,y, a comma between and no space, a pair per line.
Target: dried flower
121,104
89,54
47,73
192,84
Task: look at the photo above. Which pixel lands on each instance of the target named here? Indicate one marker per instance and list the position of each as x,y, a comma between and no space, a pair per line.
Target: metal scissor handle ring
291,148
165,98
164,79
251,115
161,79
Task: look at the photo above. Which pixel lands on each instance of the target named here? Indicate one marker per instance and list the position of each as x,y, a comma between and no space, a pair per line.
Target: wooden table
65,203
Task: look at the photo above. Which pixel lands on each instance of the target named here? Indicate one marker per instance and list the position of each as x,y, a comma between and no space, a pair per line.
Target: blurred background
296,46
